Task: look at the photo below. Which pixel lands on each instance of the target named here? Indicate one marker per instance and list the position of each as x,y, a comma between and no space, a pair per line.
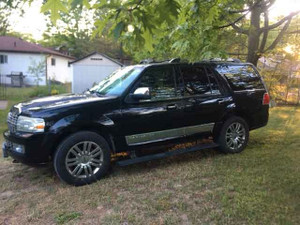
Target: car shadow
45,174
167,162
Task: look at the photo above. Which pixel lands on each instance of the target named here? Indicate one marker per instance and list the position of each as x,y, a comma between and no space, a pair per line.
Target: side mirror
141,93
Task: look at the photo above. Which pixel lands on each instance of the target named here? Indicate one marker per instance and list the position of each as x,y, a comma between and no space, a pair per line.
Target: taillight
266,99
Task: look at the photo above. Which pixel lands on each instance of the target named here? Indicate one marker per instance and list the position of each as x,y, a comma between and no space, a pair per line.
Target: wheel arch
228,114
100,129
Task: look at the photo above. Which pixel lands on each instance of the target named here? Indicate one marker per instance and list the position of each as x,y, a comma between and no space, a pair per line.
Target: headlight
28,124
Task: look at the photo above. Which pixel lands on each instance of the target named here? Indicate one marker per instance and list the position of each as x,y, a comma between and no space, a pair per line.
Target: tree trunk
253,37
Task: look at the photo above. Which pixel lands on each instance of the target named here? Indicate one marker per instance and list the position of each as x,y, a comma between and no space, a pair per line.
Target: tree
191,29
257,33
73,35
281,70
6,8
38,70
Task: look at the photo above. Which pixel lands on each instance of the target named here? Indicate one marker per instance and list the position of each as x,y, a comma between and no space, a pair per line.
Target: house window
53,62
3,59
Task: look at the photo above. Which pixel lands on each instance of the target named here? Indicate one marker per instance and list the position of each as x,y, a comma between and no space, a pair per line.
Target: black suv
134,108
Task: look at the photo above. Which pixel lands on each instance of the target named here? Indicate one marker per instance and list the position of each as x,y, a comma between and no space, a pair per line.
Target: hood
59,101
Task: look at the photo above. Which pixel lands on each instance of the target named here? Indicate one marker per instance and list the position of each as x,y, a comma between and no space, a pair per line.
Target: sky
33,22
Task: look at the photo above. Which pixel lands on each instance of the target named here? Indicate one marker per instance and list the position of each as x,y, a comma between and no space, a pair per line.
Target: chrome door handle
249,93
170,107
221,101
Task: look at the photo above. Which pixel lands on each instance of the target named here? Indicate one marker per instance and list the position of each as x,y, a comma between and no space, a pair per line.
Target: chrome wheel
235,135
84,159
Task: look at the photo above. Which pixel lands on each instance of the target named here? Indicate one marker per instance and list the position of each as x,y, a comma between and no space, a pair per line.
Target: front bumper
36,148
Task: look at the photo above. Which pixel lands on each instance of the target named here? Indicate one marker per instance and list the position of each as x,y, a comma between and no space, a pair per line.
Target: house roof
103,55
14,44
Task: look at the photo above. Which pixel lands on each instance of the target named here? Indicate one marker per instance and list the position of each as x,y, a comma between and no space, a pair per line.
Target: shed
92,69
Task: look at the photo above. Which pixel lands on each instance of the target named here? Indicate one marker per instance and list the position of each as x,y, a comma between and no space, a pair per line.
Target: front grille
12,119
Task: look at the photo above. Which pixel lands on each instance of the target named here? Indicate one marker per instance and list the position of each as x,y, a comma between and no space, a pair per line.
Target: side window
213,82
240,77
195,80
53,62
3,59
161,82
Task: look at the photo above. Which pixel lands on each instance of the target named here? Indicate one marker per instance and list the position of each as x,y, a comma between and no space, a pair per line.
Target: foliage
38,70
54,6
73,35
43,91
54,92
6,9
190,29
283,78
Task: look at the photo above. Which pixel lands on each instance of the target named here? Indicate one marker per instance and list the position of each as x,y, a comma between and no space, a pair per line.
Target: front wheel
233,136
82,158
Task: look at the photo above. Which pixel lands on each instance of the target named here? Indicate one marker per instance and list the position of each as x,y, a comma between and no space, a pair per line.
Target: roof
103,55
14,44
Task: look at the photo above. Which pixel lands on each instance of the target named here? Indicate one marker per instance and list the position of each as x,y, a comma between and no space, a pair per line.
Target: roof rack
148,61
177,60
223,60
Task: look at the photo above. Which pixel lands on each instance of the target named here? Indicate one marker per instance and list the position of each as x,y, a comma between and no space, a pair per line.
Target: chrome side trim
156,136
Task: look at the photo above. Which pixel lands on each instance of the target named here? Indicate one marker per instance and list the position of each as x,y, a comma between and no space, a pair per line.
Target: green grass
66,217
261,185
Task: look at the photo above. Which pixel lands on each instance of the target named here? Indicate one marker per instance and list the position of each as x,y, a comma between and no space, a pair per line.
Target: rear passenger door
202,100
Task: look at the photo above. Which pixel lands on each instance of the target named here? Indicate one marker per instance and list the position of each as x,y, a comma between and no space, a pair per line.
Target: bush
42,91
39,91
54,92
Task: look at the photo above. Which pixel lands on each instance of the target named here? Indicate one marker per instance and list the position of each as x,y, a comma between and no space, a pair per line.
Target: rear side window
240,77
198,81
195,80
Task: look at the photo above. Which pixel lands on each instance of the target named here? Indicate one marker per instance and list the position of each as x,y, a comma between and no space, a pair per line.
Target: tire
85,154
233,136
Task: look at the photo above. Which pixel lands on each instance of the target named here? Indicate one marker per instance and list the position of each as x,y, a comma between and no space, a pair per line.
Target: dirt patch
6,194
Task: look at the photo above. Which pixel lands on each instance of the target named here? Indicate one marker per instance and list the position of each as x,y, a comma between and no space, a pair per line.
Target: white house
17,55
92,69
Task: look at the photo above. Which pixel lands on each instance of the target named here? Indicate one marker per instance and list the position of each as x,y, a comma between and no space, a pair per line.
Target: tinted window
195,80
240,77
161,82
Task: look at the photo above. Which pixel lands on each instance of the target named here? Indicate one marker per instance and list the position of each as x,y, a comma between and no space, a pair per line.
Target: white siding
60,72
20,62
89,71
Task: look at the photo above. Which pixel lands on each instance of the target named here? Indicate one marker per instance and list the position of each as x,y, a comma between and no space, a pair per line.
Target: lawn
258,186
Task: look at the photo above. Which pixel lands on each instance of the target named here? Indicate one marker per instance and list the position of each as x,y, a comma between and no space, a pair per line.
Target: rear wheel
233,136
82,158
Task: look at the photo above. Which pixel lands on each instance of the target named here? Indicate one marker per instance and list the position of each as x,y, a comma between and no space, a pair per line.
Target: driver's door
151,120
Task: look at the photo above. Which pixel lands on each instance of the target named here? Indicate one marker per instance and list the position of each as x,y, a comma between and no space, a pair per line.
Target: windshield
117,82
